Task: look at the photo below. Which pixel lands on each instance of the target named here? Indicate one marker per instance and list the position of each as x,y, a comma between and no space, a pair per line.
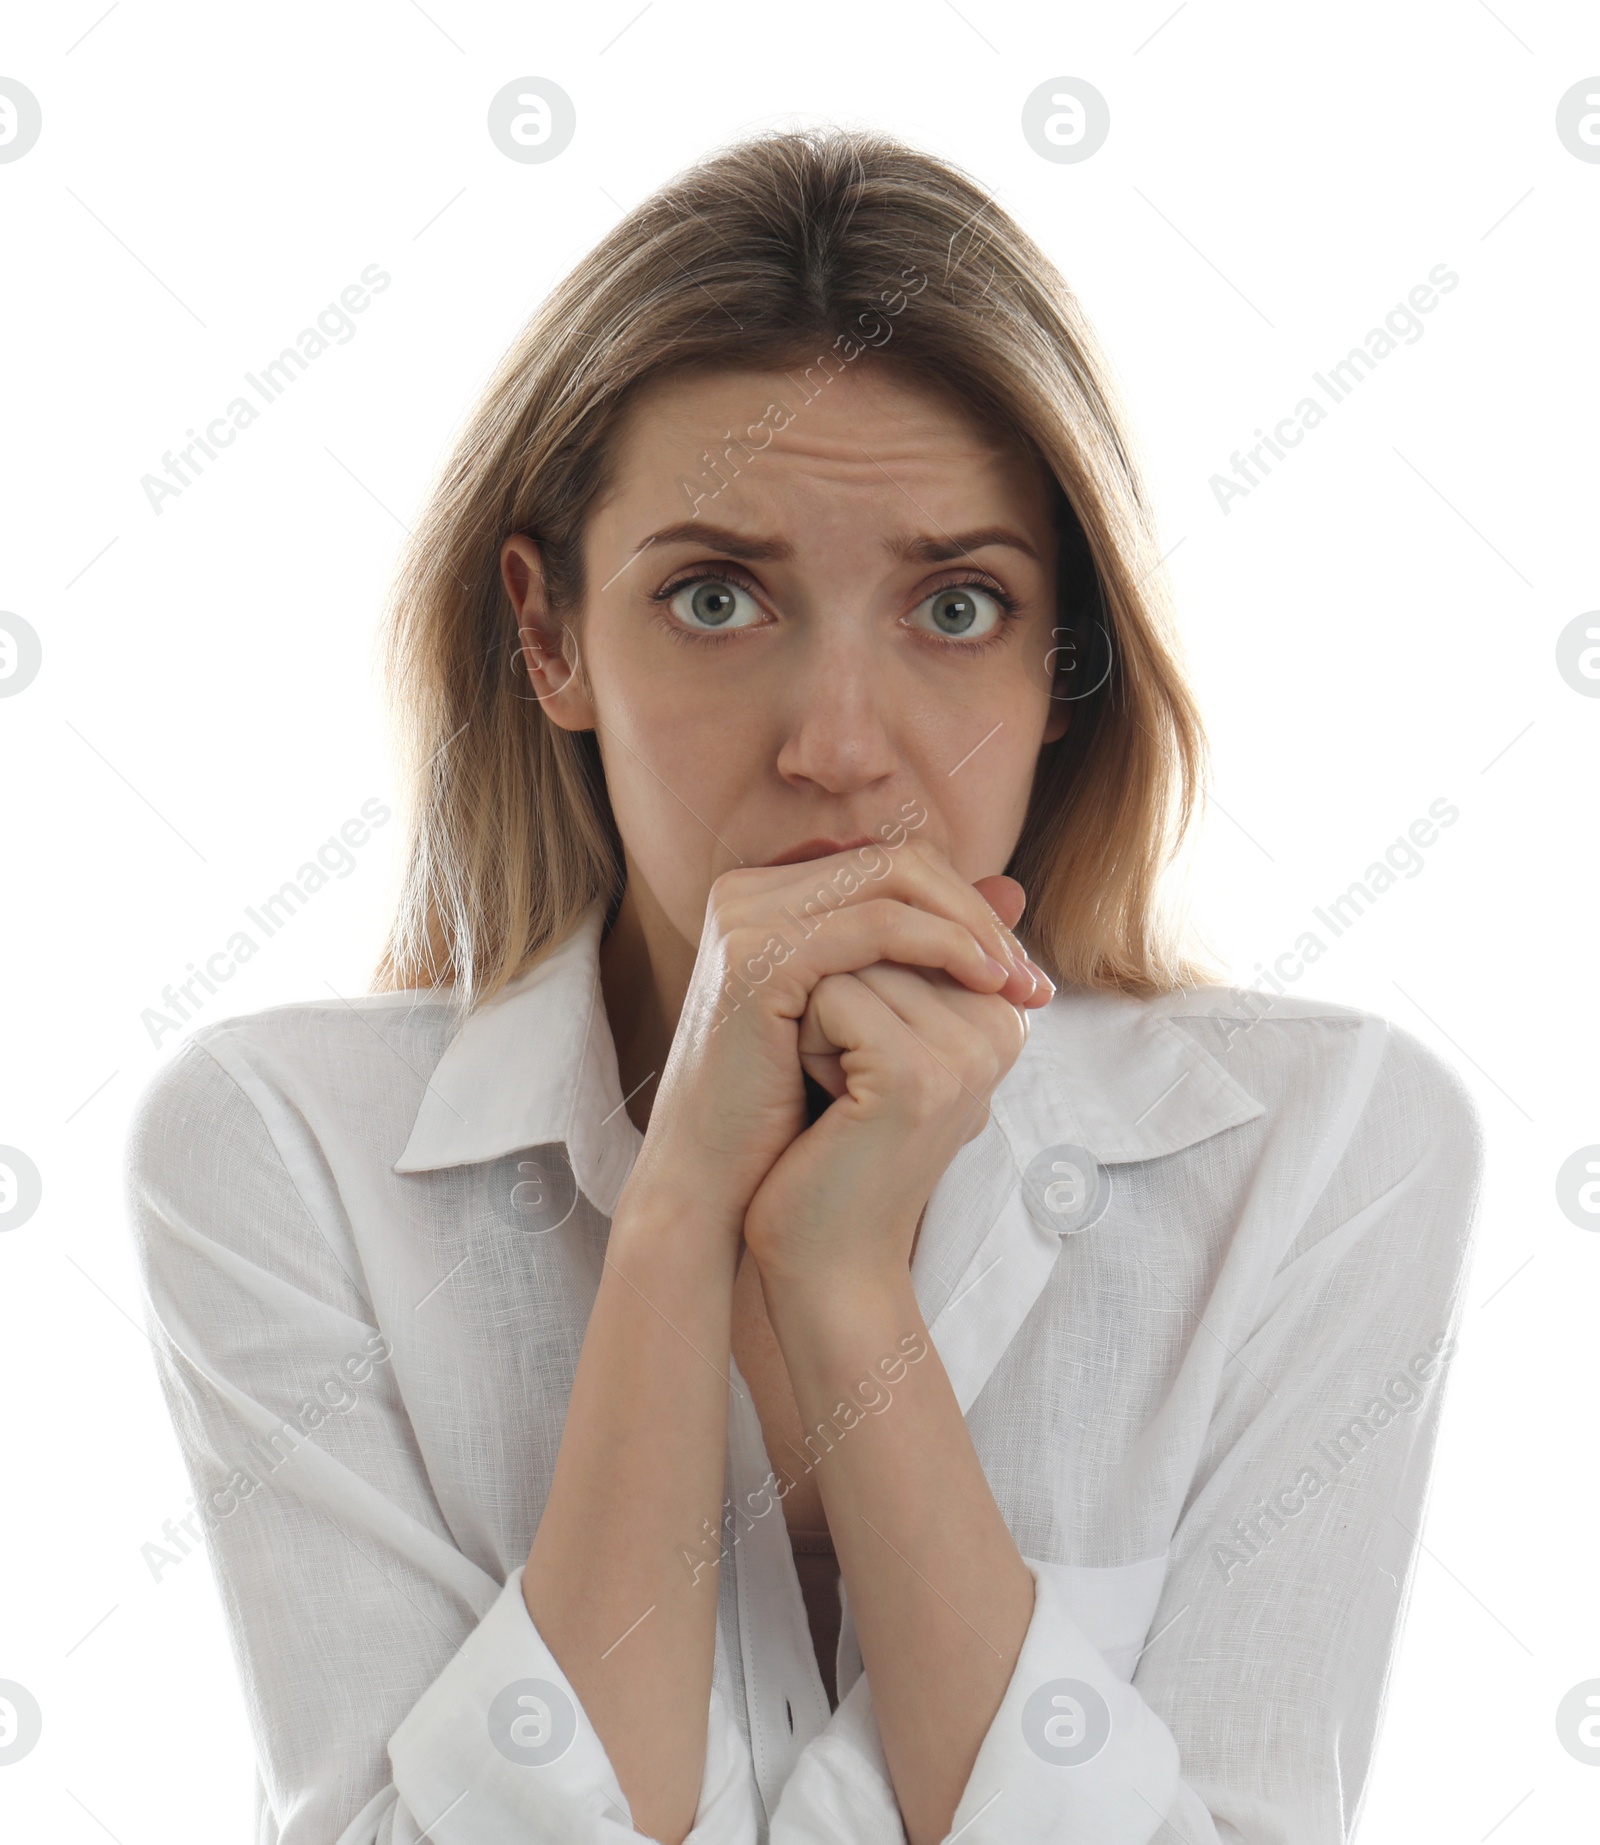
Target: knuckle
739,942
725,897
983,1066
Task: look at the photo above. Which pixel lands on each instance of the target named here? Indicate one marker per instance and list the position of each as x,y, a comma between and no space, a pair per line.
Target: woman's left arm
941,1596
1252,1722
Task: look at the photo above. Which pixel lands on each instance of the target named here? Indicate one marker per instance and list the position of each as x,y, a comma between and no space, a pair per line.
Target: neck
645,965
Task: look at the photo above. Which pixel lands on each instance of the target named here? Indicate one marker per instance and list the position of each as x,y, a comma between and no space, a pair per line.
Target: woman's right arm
387,1664
638,1490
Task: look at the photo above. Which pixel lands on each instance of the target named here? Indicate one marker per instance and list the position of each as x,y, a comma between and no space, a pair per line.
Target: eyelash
1009,609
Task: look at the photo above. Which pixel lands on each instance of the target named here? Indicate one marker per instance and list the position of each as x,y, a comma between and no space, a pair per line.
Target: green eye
711,605
962,611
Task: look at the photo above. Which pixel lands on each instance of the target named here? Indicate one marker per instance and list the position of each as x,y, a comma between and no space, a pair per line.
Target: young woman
718,1347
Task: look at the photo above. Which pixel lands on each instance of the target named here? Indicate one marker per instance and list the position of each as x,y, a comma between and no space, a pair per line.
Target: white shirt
372,1237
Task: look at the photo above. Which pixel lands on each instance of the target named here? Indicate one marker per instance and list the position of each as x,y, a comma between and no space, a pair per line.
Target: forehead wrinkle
924,452
933,440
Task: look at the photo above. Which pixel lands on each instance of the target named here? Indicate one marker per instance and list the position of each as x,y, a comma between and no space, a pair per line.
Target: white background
1371,629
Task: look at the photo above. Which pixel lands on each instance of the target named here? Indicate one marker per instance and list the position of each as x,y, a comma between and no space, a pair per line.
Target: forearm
637,1484
939,1592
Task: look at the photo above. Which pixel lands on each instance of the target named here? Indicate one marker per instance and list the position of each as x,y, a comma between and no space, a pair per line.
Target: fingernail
1043,979
997,967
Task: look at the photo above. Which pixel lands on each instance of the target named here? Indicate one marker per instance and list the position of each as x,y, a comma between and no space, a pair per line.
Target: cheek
975,780
680,731
680,766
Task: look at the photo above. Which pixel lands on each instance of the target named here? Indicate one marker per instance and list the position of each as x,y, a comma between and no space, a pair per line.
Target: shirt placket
976,1221
786,1702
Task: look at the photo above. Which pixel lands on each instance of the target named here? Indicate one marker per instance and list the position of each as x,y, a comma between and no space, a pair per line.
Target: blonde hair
783,250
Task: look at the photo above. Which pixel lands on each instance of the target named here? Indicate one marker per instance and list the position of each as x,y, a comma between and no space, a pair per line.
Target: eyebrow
777,550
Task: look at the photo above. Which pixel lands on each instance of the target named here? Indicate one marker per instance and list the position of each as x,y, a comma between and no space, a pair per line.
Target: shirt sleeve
1252,1713
396,1687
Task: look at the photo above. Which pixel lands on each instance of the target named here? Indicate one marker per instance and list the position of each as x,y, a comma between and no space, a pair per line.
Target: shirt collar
1113,1074
537,1065
534,1065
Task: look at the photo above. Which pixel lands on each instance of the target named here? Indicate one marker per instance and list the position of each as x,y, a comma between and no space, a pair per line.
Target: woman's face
845,626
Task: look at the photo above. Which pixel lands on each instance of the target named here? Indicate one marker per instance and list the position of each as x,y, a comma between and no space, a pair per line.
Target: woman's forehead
757,440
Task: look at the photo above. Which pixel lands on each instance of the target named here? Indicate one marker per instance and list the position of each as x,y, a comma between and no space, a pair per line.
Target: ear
556,683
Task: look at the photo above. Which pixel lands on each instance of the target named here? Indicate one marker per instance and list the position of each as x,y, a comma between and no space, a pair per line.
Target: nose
838,735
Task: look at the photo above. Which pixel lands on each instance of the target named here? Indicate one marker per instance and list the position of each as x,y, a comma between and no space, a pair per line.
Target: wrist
668,1190
850,1341
655,1224
872,1262
839,1301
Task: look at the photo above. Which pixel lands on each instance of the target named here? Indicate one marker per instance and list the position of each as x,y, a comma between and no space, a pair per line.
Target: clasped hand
907,1002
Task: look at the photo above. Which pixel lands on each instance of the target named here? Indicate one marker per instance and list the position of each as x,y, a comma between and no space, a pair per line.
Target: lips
817,848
